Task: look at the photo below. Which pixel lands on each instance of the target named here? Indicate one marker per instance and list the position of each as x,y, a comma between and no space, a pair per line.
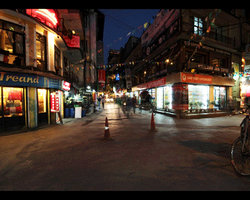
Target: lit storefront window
220,97
168,97
198,96
12,101
1,112
42,105
159,98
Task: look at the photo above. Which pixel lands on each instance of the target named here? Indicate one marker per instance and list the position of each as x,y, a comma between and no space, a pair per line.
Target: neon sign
46,16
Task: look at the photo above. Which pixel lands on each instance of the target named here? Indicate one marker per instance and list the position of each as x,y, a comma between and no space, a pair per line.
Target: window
41,52
12,101
12,43
198,26
198,96
1,112
57,60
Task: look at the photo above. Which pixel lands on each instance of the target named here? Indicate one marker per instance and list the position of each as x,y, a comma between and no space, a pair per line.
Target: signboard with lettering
196,78
152,84
54,102
28,80
73,42
66,86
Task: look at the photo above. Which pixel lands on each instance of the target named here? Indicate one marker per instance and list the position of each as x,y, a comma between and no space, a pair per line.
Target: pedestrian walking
128,105
119,104
103,101
99,102
134,103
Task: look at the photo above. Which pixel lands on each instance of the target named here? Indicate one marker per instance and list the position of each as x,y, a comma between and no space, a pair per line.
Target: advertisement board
54,102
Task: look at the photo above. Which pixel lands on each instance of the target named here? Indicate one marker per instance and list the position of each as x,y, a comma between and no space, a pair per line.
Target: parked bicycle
240,151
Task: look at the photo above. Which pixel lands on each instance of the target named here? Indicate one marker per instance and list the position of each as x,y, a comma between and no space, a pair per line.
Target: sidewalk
88,116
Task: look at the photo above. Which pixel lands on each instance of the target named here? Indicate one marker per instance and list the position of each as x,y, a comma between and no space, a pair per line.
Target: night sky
120,24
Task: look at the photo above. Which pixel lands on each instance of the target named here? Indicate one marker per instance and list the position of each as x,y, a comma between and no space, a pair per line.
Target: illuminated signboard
46,16
74,41
117,77
54,102
66,86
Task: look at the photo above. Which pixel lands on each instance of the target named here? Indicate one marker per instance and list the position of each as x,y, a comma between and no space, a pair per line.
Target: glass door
42,106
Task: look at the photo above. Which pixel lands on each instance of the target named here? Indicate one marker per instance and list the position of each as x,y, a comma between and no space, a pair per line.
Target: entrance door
42,102
220,97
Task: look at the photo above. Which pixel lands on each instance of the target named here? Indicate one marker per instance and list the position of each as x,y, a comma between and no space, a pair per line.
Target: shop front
12,106
24,100
184,93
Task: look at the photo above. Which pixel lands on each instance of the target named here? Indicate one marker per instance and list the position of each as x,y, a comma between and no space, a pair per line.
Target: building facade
189,60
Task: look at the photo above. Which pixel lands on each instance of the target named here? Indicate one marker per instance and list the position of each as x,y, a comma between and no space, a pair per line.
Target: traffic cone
106,130
152,123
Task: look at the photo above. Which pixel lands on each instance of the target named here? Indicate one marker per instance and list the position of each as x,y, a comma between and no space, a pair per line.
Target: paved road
184,154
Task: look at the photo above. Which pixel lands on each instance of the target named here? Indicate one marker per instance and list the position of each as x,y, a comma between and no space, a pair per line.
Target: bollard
106,130
152,128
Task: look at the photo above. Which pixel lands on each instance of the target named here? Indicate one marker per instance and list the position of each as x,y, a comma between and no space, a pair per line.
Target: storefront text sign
73,42
28,80
196,78
54,102
66,86
152,84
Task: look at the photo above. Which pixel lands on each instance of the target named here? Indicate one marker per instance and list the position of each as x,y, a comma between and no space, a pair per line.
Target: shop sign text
28,80
196,78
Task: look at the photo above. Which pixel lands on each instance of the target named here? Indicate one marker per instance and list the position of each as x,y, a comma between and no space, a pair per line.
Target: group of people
101,100
126,103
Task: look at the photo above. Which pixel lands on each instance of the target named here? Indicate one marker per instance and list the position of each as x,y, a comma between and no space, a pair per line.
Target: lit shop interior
199,97
11,106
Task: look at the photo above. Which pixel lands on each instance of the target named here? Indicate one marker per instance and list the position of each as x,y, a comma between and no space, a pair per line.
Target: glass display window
42,103
160,94
168,97
12,101
1,111
198,96
220,97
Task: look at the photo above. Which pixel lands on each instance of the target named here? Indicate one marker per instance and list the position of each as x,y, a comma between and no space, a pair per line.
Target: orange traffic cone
152,122
106,130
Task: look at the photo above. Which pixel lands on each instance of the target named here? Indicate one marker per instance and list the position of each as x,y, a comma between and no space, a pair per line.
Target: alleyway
184,154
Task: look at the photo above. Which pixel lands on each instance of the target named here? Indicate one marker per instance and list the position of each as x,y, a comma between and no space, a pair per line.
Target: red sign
196,78
54,102
152,84
46,16
72,42
101,76
66,86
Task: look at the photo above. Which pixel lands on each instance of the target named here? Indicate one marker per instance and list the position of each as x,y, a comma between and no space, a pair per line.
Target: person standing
134,103
99,102
103,101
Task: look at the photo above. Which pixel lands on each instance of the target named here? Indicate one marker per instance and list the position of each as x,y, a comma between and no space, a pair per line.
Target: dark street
191,154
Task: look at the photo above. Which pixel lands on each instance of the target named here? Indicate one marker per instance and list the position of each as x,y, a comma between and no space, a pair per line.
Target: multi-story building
40,49
30,67
189,58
